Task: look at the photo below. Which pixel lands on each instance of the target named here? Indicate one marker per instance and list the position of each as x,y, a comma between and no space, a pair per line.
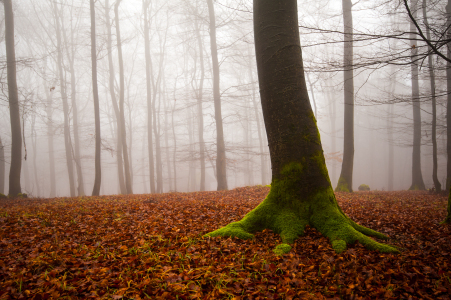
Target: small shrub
364,187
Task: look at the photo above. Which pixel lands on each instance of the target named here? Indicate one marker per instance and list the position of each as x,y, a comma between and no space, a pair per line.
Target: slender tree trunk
35,150
448,101
257,118
13,101
221,165
174,153
73,87
50,133
345,180
95,92
2,168
301,193
391,150
333,117
438,186
417,177
156,127
67,139
146,4
166,142
120,167
200,115
122,131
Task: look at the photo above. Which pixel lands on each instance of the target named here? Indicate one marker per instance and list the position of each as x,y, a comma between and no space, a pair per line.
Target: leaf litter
152,247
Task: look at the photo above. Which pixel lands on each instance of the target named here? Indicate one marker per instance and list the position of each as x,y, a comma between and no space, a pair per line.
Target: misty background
182,77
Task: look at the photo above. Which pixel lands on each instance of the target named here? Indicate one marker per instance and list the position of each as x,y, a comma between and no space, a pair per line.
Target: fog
55,65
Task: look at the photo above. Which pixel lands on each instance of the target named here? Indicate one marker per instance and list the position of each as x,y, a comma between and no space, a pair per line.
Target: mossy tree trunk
301,193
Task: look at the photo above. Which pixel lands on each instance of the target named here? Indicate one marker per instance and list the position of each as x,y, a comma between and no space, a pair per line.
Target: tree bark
122,131
221,165
13,101
2,168
301,193
67,138
417,177
437,185
35,150
345,180
120,167
95,92
146,4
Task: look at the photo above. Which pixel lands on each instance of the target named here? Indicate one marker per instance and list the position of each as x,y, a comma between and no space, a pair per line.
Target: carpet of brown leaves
151,247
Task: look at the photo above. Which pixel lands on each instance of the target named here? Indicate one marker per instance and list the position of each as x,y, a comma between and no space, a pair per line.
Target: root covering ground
151,247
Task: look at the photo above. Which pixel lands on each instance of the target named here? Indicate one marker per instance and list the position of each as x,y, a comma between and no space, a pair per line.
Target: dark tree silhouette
13,100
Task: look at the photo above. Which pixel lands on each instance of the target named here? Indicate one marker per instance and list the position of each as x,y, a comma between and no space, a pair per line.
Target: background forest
158,121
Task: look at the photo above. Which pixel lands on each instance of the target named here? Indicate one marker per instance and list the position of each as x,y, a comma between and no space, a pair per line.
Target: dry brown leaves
151,247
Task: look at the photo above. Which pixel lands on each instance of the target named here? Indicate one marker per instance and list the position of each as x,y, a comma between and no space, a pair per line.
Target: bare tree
146,4
120,167
13,100
437,184
67,138
221,166
345,180
95,91
122,130
417,177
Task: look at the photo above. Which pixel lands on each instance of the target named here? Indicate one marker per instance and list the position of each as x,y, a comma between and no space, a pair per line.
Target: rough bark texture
120,167
448,102
149,96
122,131
67,139
437,185
95,91
417,177
221,166
301,193
345,181
13,101
2,168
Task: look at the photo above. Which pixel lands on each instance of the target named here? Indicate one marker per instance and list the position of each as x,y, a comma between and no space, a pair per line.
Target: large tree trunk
448,102
95,92
67,139
221,165
301,193
122,131
448,217
417,177
2,168
120,167
13,101
345,180
146,4
437,185
200,115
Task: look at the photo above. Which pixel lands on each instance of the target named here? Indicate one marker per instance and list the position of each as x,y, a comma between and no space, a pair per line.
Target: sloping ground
151,247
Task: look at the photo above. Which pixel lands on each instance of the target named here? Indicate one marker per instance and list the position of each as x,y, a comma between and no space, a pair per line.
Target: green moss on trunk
342,185
287,213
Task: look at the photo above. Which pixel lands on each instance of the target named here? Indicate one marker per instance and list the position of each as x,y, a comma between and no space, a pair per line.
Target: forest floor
151,247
